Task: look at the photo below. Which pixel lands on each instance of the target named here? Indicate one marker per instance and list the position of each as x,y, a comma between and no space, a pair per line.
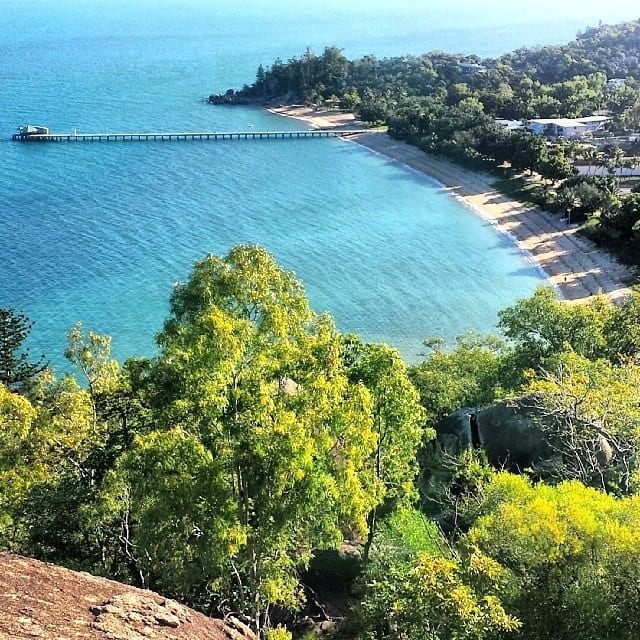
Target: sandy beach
571,263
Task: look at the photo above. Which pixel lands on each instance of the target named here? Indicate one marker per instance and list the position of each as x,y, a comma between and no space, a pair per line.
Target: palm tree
569,200
615,161
601,161
590,156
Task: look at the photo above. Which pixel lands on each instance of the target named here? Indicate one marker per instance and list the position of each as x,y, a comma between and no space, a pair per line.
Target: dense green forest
448,105
228,470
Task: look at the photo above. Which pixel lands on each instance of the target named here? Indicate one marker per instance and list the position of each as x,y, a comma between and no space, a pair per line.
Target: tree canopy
258,436
259,427
16,372
572,556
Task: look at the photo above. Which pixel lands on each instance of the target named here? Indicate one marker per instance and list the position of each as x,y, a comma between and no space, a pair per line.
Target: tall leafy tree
541,327
416,587
274,443
398,420
66,516
16,417
91,353
622,329
468,375
572,553
591,414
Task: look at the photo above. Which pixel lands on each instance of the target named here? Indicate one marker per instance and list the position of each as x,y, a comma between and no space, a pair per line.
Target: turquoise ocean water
99,232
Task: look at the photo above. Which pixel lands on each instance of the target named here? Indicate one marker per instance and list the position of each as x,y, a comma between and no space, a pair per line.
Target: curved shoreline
571,263
479,212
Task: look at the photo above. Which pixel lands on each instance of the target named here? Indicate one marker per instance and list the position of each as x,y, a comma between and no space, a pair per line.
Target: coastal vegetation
451,105
263,464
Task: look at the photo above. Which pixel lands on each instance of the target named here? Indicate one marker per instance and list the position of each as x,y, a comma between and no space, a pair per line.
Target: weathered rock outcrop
508,431
40,600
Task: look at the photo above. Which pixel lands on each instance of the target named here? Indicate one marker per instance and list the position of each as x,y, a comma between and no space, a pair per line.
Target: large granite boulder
510,434
454,431
508,431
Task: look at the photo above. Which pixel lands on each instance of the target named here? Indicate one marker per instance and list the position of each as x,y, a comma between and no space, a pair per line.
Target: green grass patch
518,188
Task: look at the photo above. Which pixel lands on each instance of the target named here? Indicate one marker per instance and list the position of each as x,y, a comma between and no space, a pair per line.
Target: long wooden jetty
208,135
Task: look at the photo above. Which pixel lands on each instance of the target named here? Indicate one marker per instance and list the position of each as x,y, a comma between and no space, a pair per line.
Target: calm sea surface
99,232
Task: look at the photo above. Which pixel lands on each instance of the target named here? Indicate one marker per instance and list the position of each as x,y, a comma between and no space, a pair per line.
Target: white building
569,128
472,68
595,123
509,125
614,83
558,128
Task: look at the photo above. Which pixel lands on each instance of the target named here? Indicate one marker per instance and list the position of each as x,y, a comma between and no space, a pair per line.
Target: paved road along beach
572,263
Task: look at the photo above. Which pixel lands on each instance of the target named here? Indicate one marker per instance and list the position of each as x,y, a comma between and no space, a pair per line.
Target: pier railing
211,135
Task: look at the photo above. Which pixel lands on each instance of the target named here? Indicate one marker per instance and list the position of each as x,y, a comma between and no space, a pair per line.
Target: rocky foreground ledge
40,600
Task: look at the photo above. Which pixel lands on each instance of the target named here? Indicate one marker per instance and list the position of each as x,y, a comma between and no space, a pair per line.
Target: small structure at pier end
29,130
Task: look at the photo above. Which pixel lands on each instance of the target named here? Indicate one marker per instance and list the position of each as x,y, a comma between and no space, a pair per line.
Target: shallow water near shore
100,232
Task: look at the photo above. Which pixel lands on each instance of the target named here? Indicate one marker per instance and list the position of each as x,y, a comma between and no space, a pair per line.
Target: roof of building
594,119
559,122
472,66
509,124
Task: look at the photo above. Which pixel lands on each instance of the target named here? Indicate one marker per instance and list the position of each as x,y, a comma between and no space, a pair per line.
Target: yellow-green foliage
595,392
91,354
572,552
277,633
431,597
454,597
466,376
417,587
16,417
41,441
592,410
261,429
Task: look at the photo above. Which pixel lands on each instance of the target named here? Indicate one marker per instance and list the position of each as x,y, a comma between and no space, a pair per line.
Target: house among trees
594,123
472,68
569,128
509,125
614,83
